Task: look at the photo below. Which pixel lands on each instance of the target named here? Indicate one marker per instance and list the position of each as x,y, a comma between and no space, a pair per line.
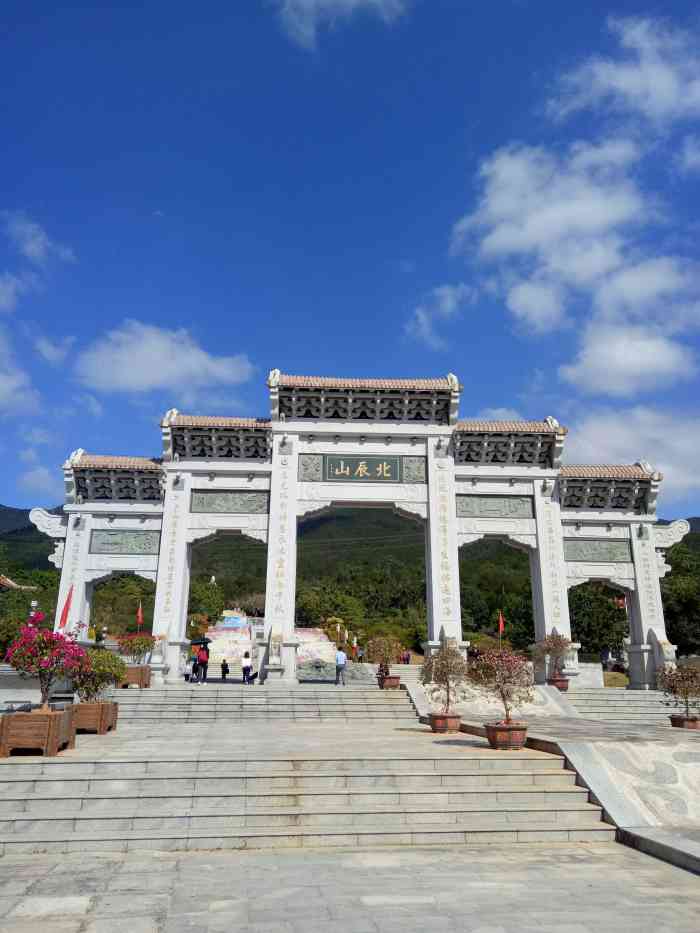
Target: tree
597,621
206,598
680,591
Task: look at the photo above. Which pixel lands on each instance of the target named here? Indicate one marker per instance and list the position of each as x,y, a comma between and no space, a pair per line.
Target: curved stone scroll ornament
412,510
55,526
57,557
668,535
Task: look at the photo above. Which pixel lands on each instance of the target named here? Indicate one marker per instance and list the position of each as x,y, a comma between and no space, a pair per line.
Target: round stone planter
506,735
561,683
96,717
392,682
445,722
685,722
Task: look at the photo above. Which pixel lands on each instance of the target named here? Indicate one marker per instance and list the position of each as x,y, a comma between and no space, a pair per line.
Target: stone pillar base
173,670
431,647
642,672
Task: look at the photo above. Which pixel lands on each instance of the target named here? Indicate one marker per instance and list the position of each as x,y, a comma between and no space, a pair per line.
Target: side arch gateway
396,442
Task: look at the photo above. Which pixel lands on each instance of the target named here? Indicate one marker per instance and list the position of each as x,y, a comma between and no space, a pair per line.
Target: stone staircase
234,702
614,704
471,796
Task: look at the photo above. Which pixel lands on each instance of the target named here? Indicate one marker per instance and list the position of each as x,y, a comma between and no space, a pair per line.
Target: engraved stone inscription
125,542
317,468
230,502
494,507
592,551
414,469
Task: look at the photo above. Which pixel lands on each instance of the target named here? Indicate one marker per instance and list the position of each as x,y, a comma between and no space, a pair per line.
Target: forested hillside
366,567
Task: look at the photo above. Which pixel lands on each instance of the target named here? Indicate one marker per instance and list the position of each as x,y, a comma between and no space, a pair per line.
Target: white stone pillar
280,590
73,574
550,601
649,647
442,552
428,583
173,578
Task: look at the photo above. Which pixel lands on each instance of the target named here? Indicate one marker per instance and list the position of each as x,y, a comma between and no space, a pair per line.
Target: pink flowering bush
46,655
505,675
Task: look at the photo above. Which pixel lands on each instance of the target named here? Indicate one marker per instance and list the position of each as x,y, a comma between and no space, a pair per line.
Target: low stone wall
322,671
590,675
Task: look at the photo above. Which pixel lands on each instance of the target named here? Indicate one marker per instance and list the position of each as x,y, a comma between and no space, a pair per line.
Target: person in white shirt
341,659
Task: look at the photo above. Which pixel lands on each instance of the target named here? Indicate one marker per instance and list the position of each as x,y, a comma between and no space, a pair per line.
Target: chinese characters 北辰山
384,470
342,470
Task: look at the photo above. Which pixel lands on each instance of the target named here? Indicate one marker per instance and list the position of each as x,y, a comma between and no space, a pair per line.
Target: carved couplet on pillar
73,572
282,538
647,608
172,582
442,552
550,598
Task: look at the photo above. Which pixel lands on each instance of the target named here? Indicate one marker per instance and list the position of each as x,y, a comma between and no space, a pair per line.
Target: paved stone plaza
562,889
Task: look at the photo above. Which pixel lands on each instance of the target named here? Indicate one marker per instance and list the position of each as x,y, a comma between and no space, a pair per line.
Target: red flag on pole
501,623
139,616
66,608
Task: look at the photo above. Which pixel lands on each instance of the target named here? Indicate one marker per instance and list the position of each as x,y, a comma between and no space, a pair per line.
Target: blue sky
190,196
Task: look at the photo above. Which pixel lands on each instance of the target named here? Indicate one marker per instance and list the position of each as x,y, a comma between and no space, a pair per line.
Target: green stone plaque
125,542
351,469
595,551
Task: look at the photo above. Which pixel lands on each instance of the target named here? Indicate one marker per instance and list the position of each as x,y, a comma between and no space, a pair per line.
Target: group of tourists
198,667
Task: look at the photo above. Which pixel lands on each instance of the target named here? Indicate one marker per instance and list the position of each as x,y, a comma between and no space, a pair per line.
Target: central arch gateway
345,442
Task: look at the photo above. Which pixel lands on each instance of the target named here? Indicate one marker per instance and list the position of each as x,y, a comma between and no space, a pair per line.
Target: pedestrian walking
341,660
203,664
224,670
246,667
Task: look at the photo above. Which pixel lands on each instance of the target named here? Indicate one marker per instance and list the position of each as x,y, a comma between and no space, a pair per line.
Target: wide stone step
124,804
379,834
167,768
188,821
195,784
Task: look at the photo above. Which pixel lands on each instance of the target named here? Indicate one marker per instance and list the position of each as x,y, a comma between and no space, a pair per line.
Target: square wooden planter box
96,717
137,674
47,732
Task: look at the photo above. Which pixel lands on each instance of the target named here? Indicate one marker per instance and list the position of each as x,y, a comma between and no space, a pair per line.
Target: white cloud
302,19
38,436
89,404
689,157
138,358
668,439
539,304
443,303
53,351
654,73
499,414
625,360
28,455
17,395
11,288
32,241
42,481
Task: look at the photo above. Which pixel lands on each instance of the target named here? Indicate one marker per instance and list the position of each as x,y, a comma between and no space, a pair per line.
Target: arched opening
599,623
113,602
495,575
226,592
361,570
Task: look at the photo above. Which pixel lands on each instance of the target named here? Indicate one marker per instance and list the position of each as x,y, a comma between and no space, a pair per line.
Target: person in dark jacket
224,670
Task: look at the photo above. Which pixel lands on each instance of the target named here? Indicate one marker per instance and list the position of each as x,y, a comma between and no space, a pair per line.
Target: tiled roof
107,462
510,427
336,382
212,421
607,471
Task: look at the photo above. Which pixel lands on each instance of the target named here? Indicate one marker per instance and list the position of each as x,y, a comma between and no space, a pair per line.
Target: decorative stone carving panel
620,495
125,542
118,485
231,502
311,468
364,405
494,507
578,549
414,470
533,449
221,443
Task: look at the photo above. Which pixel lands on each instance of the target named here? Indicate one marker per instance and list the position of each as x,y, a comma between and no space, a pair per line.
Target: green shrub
101,669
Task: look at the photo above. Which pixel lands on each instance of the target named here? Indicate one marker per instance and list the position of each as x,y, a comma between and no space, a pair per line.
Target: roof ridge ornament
454,382
170,416
76,456
273,379
553,423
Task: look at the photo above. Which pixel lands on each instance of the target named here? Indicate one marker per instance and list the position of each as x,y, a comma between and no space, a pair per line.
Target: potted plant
136,647
102,669
46,656
384,651
681,687
552,652
447,669
507,676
